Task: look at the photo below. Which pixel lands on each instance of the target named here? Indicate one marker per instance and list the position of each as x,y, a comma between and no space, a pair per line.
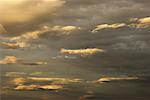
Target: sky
74,49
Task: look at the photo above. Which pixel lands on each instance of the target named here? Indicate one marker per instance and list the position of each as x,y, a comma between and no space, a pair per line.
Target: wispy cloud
15,45
15,74
33,83
121,78
133,23
108,26
15,60
64,30
140,22
82,52
38,87
9,60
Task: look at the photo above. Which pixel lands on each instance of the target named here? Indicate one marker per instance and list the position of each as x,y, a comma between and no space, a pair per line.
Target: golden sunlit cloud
55,80
84,52
108,26
15,60
140,22
25,10
109,79
18,81
135,23
28,36
34,83
9,60
65,29
14,45
36,87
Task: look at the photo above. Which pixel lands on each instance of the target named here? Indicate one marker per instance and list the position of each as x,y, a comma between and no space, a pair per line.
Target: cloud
24,40
61,30
62,81
14,45
26,10
84,52
140,22
21,41
34,83
15,60
34,63
38,87
9,60
109,79
133,23
15,74
55,80
28,36
88,95
18,81
108,26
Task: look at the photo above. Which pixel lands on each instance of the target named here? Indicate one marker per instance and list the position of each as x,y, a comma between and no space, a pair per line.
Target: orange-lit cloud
109,79
9,60
14,45
34,83
36,87
64,30
15,60
140,22
88,51
108,26
18,81
55,80
133,23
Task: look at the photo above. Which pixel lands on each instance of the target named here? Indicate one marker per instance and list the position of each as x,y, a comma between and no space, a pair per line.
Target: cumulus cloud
84,52
108,26
9,60
109,79
26,10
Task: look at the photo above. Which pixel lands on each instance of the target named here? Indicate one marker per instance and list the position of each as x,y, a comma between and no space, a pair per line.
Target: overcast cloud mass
75,49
